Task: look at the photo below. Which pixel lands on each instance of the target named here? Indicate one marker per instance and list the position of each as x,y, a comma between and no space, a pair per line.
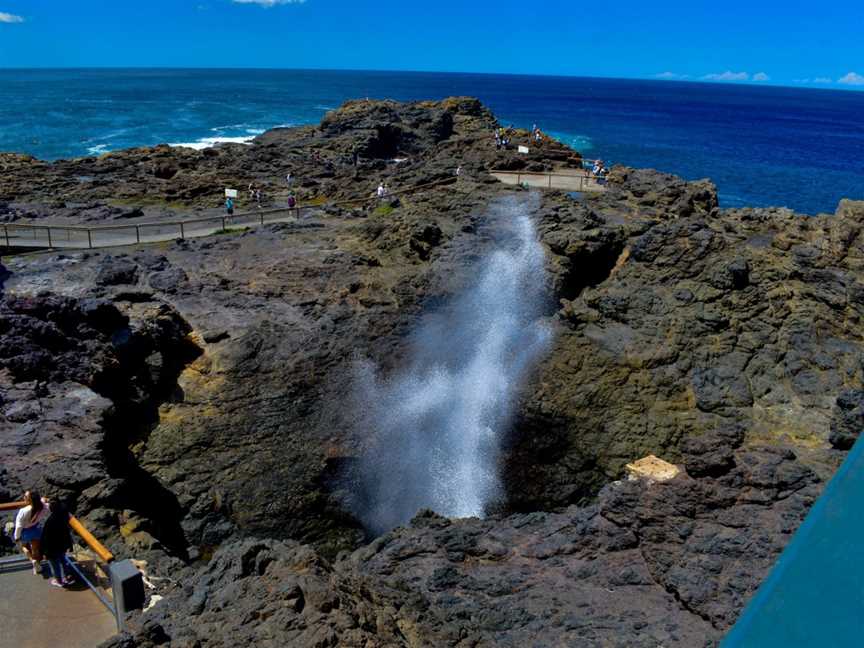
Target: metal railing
101,551
554,179
30,235
76,236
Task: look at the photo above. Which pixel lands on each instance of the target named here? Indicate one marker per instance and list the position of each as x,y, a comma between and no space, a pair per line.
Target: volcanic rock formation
192,398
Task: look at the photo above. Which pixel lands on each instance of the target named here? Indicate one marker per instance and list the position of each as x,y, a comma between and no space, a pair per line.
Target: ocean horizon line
655,79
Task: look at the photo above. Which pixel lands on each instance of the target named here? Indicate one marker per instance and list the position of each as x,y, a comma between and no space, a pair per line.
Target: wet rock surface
191,397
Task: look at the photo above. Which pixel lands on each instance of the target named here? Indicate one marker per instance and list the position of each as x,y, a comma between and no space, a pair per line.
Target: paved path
35,615
77,237
570,180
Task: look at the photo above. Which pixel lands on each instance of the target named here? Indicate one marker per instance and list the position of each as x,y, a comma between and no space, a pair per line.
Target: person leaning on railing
56,541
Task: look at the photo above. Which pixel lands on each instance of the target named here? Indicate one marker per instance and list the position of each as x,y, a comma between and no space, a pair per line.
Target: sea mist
433,431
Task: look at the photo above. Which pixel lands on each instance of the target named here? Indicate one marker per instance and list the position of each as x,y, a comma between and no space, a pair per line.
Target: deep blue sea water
800,148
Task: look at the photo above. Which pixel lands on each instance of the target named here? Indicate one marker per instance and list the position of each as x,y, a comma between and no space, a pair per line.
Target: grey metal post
6,231
49,237
550,180
182,231
90,238
262,217
137,234
223,222
127,589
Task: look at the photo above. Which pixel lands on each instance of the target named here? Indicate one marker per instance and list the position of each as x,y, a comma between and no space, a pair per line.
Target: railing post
48,229
550,180
6,232
262,217
223,222
182,231
137,234
90,238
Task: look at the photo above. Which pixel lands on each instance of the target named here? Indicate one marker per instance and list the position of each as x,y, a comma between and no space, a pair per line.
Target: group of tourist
42,531
503,137
536,134
599,170
256,196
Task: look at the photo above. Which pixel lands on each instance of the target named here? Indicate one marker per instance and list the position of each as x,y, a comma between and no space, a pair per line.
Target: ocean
762,145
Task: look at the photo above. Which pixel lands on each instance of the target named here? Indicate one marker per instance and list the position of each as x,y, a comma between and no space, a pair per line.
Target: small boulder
115,271
847,420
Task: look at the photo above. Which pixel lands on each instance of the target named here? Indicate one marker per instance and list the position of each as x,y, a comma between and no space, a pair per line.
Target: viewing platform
564,179
35,614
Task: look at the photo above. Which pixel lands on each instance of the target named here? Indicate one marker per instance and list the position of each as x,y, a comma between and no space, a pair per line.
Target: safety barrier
127,586
552,180
28,235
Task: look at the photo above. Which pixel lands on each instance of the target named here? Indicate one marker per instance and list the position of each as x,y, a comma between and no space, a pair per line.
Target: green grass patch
383,210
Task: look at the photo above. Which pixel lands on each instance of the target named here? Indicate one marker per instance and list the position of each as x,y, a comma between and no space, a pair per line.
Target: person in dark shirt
56,541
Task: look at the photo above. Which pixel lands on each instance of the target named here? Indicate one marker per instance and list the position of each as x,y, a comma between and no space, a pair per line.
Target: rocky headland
191,399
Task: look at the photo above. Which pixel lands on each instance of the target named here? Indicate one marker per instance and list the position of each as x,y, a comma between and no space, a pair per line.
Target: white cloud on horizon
808,81
728,75
10,18
761,76
853,78
671,76
268,3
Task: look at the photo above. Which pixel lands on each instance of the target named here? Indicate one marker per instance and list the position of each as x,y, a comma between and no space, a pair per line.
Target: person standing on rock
292,202
258,197
229,206
28,527
56,541
381,192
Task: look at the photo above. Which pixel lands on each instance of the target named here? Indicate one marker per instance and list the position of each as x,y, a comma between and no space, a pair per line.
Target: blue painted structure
814,596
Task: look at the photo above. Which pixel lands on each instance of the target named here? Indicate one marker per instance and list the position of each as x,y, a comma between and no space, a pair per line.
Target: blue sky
758,41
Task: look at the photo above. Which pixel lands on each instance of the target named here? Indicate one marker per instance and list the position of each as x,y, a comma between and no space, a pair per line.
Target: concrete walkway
35,615
77,237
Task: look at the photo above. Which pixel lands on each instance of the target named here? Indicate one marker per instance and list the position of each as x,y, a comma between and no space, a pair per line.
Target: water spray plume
434,430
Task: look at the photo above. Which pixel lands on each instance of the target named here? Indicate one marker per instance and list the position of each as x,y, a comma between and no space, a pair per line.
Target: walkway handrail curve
75,524
136,228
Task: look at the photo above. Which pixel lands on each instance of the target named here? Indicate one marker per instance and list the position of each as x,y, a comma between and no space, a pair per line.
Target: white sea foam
99,149
209,142
435,429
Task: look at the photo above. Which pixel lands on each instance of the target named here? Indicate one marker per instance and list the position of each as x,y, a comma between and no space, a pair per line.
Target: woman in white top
28,527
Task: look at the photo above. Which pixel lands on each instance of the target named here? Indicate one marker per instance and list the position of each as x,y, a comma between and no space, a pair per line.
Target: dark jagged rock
725,340
646,565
